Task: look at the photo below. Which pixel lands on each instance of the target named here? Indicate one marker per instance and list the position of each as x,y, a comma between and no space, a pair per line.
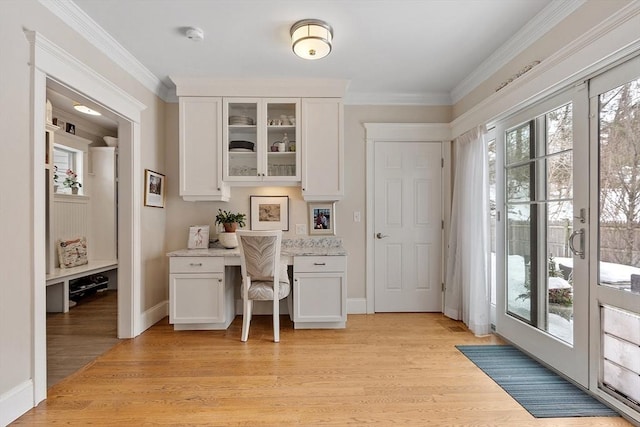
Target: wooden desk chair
264,275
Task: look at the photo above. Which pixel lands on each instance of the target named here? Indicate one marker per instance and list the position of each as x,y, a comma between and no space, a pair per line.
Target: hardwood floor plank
384,369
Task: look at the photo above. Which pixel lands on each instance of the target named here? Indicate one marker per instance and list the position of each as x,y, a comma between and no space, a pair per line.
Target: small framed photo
198,237
71,128
322,218
270,213
153,189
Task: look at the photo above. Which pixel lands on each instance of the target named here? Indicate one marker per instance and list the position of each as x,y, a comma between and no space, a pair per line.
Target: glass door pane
242,140
617,289
619,188
281,139
539,196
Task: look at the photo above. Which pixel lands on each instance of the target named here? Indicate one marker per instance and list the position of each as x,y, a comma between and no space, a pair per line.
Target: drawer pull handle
319,263
196,264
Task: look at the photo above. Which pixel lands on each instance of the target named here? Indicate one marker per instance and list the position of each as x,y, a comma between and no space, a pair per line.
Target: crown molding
82,23
362,98
542,23
612,40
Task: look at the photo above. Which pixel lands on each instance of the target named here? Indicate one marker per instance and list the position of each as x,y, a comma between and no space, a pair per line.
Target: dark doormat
539,390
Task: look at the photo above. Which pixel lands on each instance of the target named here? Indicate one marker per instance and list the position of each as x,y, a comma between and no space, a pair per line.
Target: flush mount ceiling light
86,110
311,38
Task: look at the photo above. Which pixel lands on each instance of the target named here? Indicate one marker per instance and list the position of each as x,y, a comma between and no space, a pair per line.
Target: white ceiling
391,51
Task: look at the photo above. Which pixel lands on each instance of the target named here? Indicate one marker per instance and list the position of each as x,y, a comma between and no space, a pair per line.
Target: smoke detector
195,34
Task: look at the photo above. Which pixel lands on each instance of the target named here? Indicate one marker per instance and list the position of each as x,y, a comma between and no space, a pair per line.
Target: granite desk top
303,246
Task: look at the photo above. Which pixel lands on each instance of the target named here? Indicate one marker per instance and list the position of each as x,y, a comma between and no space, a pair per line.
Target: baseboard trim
16,402
356,306
155,314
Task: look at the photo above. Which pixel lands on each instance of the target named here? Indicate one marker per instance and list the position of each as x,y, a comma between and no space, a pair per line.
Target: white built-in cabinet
103,177
49,139
200,151
261,141
212,128
199,297
319,292
323,149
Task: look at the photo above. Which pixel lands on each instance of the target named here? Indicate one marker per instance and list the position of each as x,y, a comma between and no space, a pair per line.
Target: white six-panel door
408,227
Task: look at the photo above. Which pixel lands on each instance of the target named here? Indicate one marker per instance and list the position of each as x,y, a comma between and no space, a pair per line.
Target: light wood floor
384,369
77,337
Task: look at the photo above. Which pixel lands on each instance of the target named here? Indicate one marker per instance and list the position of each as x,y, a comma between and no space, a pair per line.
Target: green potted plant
230,221
71,181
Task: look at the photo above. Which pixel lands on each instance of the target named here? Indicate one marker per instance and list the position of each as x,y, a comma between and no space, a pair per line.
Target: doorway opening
82,304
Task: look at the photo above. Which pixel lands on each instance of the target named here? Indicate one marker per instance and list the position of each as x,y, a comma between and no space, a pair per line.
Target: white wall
16,204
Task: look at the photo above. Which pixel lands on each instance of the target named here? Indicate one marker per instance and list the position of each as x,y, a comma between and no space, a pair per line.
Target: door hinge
443,288
442,225
441,162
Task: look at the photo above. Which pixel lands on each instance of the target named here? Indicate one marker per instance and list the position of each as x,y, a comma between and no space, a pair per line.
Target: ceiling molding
542,23
397,99
612,40
82,23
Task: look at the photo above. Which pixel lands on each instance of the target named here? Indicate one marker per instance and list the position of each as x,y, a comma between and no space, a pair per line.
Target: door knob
381,236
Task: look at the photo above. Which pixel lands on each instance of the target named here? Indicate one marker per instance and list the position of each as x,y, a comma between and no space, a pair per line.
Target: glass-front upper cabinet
260,137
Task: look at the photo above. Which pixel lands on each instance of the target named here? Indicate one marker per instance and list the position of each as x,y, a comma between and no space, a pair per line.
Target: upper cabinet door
200,153
323,149
260,140
283,140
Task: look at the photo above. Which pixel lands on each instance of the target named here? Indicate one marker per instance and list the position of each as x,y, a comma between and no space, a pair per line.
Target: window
64,159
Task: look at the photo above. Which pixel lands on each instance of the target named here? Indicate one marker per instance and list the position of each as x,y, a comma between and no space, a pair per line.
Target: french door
568,233
615,242
543,228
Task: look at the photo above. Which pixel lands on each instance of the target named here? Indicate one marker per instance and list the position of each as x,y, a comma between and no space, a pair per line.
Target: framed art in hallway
322,218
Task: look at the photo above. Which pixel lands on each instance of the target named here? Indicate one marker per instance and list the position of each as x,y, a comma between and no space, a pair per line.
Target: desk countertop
309,246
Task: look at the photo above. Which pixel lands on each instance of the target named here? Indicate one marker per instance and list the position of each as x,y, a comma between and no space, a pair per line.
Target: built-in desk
203,284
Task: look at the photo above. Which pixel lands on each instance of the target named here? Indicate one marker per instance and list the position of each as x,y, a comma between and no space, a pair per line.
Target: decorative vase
228,240
74,190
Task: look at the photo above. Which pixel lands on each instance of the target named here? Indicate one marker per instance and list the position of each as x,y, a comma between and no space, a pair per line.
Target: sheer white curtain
467,292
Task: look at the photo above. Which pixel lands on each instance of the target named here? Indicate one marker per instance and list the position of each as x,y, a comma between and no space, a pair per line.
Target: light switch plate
301,228
356,216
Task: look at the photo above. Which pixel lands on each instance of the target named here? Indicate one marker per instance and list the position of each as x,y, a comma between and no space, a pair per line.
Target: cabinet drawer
313,264
196,265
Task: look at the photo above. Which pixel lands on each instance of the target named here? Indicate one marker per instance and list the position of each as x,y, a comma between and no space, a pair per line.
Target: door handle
573,235
381,236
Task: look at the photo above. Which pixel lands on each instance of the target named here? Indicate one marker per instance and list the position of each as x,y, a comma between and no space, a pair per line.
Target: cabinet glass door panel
242,137
282,122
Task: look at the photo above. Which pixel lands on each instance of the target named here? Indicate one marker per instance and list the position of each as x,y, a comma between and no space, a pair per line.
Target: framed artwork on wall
322,218
269,213
153,189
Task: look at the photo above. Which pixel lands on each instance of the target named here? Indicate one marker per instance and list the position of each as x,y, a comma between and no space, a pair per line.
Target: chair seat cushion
263,291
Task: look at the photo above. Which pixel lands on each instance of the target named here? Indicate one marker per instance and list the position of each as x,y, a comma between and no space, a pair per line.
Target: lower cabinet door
319,297
196,298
